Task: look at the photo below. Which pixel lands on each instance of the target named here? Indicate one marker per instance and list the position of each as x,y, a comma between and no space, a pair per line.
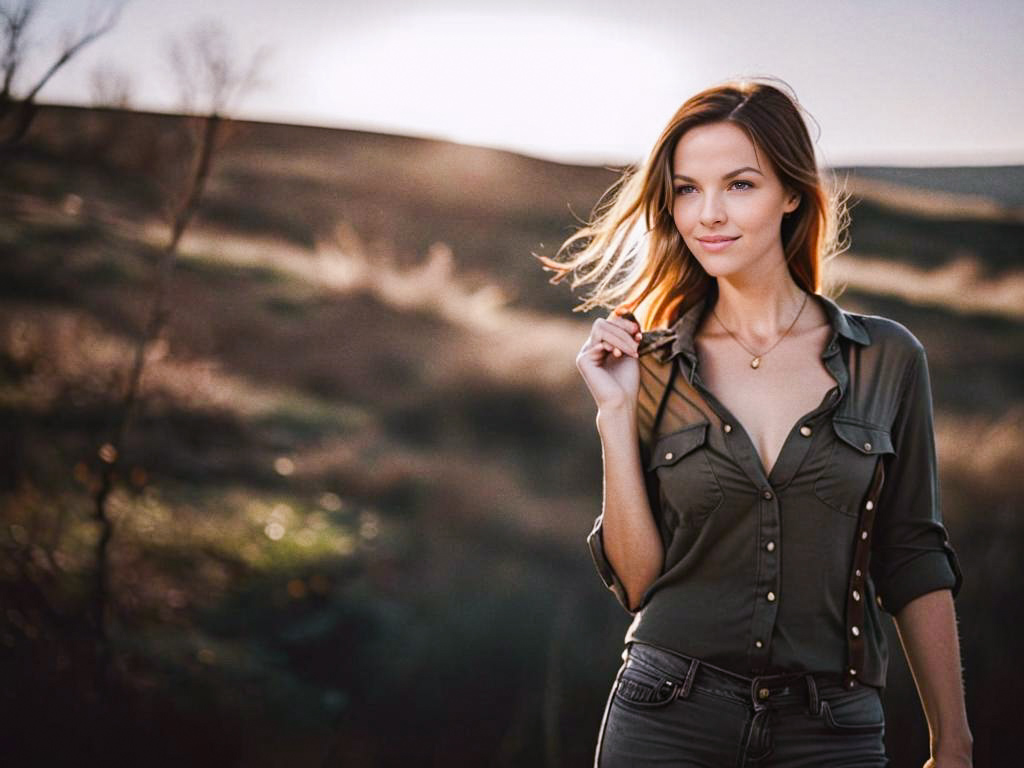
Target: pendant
756,362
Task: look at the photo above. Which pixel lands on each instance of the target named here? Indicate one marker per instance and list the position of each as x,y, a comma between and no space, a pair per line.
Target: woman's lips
717,244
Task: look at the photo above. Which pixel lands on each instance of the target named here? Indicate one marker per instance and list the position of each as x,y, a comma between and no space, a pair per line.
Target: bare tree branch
212,75
111,87
15,20
72,47
210,79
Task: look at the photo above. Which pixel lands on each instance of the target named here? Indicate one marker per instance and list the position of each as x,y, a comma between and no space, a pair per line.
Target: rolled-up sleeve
911,553
595,540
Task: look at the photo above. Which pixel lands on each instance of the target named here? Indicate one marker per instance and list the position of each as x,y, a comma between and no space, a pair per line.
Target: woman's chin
720,266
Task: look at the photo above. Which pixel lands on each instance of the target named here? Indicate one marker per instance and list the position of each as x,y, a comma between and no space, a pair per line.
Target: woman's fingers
618,334
612,343
615,336
626,320
614,350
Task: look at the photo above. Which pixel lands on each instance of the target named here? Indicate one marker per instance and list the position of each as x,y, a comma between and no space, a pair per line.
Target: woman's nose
712,211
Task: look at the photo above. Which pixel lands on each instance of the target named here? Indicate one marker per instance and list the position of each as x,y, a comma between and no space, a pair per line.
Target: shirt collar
845,324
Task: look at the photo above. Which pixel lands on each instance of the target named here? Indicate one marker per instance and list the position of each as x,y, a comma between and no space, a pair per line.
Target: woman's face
712,200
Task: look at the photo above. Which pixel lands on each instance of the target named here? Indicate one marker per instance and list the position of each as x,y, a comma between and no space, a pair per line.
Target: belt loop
690,674
814,702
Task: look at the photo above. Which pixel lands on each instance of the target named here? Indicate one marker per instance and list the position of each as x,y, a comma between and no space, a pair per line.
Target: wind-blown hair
631,248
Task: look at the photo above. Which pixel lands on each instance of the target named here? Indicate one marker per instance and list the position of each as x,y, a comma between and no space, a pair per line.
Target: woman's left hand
939,760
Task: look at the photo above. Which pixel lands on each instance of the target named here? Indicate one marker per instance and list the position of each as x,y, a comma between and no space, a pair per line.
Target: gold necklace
756,362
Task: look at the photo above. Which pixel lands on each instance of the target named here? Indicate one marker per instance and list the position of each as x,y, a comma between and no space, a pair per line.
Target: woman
769,462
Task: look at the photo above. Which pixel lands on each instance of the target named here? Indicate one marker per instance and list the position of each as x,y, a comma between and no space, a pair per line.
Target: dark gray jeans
666,709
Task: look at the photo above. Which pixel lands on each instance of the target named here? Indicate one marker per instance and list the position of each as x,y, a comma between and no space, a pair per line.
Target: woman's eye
684,189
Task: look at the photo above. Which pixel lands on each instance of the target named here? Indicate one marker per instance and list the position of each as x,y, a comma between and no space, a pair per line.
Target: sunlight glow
455,77
525,76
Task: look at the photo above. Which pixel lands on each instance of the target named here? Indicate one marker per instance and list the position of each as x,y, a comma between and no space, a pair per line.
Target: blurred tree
112,88
211,77
16,19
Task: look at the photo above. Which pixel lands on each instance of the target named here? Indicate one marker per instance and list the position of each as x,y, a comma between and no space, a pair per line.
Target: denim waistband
678,676
689,671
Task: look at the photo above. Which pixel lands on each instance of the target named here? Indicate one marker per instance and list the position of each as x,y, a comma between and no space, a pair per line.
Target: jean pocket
854,711
642,685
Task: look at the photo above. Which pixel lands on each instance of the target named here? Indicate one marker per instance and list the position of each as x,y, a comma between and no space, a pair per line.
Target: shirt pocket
688,485
845,478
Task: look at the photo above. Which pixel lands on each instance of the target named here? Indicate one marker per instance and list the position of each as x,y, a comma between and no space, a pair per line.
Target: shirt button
856,596
869,505
758,643
770,546
805,431
867,446
668,456
766,493
771,597
857,572
727,427
864,534
855,630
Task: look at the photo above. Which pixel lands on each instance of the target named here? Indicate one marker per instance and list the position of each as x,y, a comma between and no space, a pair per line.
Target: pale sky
916,82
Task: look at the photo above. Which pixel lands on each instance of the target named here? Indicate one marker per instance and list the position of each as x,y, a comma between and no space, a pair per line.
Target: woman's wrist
615,419
960,743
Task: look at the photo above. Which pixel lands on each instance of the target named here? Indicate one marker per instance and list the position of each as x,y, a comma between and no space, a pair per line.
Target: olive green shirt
756,569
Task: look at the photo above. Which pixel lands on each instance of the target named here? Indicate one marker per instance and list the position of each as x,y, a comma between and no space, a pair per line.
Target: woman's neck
761,312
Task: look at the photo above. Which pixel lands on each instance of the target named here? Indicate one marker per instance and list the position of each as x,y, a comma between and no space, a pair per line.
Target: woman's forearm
928,632
631,540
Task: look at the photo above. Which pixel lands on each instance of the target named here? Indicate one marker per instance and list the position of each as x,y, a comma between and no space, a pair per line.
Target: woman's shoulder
887,335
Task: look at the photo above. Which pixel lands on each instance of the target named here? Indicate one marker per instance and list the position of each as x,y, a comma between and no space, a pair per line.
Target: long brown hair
631,248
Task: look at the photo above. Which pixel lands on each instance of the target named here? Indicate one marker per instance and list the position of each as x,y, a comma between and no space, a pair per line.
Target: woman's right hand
609,361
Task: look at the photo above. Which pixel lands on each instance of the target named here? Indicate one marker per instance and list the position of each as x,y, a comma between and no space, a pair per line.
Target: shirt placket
767,582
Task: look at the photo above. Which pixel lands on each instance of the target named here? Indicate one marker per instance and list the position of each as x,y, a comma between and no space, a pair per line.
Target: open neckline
825,401
726,414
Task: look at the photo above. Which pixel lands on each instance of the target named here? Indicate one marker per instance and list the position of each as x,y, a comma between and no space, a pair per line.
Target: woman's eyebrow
727,176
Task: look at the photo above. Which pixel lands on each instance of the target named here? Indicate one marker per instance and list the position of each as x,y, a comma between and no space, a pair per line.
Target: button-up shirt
758,569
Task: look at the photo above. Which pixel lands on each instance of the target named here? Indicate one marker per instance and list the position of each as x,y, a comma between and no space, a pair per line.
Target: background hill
350,528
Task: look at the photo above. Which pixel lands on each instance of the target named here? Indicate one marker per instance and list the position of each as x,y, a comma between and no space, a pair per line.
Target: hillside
357,490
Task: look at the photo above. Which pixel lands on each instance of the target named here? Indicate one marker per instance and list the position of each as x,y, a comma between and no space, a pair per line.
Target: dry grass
363,431
960,285
933,204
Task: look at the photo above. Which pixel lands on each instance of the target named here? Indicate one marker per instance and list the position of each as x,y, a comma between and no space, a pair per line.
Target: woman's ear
793,202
